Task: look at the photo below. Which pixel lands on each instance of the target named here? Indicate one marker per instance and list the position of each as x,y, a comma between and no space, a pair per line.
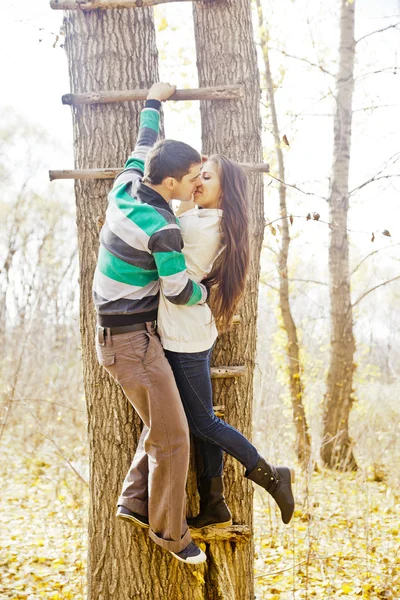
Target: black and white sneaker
192,554
128,515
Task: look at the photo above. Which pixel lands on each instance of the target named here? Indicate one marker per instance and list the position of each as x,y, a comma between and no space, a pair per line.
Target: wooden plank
234,533
227,372
85,174
220,92
111,173
105,4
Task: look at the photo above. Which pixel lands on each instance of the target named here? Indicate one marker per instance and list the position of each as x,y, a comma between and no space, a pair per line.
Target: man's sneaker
128,515
192,555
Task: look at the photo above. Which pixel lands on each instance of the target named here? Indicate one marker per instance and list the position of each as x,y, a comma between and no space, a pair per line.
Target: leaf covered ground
344,541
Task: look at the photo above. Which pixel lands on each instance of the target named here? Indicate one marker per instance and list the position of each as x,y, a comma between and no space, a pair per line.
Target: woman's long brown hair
230,270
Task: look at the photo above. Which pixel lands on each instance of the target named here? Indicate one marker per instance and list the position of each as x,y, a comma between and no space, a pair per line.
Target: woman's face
208,193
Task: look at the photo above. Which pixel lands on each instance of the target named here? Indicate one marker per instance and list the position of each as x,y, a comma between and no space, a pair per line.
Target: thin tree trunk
337,446
226,54
112,50
303,444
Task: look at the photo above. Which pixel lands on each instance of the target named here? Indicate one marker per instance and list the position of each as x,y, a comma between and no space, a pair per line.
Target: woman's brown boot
278,482
213,509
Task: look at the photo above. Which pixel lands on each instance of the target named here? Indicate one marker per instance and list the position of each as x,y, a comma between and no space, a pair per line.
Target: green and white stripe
140,243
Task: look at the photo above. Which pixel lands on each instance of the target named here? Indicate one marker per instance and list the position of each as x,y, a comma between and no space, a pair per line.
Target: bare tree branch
295,187
374,288
70,263
271,249
269,285
309,62
304,114
367,35
363,108
46,435
371,254
394,71
379,174
308,281
51,402
322,222
374,178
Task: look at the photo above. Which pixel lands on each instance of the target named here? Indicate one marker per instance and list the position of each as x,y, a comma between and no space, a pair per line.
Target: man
140,251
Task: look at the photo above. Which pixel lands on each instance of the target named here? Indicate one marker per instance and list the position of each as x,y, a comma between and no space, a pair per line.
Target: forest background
344,540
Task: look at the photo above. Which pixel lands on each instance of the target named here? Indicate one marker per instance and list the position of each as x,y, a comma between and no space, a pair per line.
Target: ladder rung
85,174
104,4
113,172
227,372
219,92
234,533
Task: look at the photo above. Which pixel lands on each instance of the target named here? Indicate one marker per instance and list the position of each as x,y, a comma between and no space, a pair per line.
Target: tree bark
337,449
303,443
110,50
226,54
113,50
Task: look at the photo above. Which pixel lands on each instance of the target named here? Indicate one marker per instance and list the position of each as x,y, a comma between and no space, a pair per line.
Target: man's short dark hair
169,158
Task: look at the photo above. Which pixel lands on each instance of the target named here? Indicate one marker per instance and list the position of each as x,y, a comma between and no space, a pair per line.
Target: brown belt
102,332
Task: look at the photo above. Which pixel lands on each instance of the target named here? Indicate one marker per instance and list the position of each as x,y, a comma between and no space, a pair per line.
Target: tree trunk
337,446
112,50
226,54
303,444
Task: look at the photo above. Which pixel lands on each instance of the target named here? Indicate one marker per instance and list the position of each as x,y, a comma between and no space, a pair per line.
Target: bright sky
35,75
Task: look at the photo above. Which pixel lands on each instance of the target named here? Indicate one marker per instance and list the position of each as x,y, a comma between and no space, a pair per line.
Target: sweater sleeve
166,246
147,137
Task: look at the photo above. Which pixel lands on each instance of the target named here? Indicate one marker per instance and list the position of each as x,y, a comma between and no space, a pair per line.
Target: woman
219,226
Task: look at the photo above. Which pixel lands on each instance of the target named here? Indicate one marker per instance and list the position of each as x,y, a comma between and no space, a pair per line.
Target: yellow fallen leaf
346,588
199,576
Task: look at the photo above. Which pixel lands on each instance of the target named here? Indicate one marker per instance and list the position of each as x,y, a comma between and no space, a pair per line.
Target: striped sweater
140,244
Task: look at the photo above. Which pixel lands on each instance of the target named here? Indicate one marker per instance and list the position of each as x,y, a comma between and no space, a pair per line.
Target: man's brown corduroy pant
155,483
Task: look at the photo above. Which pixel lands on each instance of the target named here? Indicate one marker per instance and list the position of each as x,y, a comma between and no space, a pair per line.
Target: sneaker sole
133,520
216,525
197,559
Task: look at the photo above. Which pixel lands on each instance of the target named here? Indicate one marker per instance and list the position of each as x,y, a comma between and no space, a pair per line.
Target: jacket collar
150,196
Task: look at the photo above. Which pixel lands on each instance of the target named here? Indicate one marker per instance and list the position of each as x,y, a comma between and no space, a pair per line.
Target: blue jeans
192,376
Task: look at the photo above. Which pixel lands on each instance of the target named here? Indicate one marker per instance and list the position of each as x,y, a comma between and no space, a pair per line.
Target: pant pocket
147,347
105,356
